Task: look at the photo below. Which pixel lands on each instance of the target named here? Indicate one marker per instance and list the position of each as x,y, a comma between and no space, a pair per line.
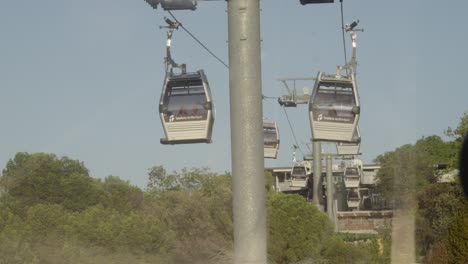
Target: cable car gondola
334,105
300,173
270,139
351,148
334,108
353,199
185,107
352,176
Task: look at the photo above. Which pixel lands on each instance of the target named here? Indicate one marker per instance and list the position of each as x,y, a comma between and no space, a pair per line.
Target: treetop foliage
186,179
43,178
297,229
441,223
52,211
410,168
461,131
408,178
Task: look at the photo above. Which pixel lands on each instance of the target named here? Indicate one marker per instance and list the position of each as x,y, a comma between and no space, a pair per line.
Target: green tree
186,179
13,240
297,230
116,231
43,178
458,237
458,135
339,252
45,221
461,131
190,215
403,173
218,191
410,168
196,204
438,151
436,207
120,195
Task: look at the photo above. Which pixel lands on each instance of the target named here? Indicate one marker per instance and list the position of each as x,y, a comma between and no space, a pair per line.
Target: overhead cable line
308,147
197,40
292,131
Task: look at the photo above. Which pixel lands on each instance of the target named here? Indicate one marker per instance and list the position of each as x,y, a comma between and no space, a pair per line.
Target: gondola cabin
270,139
186,109
353,199
350,148
334,108
300,173
352,177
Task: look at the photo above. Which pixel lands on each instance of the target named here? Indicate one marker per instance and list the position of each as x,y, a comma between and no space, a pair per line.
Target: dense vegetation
409,180
52,211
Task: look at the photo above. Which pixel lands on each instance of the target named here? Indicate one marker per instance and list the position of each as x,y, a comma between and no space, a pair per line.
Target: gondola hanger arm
171,25
352,64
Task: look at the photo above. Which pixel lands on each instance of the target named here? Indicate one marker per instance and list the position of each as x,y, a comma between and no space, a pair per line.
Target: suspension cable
292,131
343,35
197,40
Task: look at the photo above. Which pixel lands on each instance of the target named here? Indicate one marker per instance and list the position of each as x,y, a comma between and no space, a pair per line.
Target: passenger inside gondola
188,104
182,111
332,113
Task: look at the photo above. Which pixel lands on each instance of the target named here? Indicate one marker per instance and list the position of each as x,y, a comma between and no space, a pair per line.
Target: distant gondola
300,173
185,106
334,108
186,109
352,176
353,199
270,139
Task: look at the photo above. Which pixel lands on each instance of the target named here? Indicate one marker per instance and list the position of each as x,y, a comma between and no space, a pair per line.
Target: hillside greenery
409,179
53,211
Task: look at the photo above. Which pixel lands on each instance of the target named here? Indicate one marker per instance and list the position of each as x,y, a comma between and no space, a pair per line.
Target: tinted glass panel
298,171
186,104
334,103
269,137
353,195
351,172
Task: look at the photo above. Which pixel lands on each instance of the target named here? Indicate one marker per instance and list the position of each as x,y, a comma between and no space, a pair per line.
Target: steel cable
197,40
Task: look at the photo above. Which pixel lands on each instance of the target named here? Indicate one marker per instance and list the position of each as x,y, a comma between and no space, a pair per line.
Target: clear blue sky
83,78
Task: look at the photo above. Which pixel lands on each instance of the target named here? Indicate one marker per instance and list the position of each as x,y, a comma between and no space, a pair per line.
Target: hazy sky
83,78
